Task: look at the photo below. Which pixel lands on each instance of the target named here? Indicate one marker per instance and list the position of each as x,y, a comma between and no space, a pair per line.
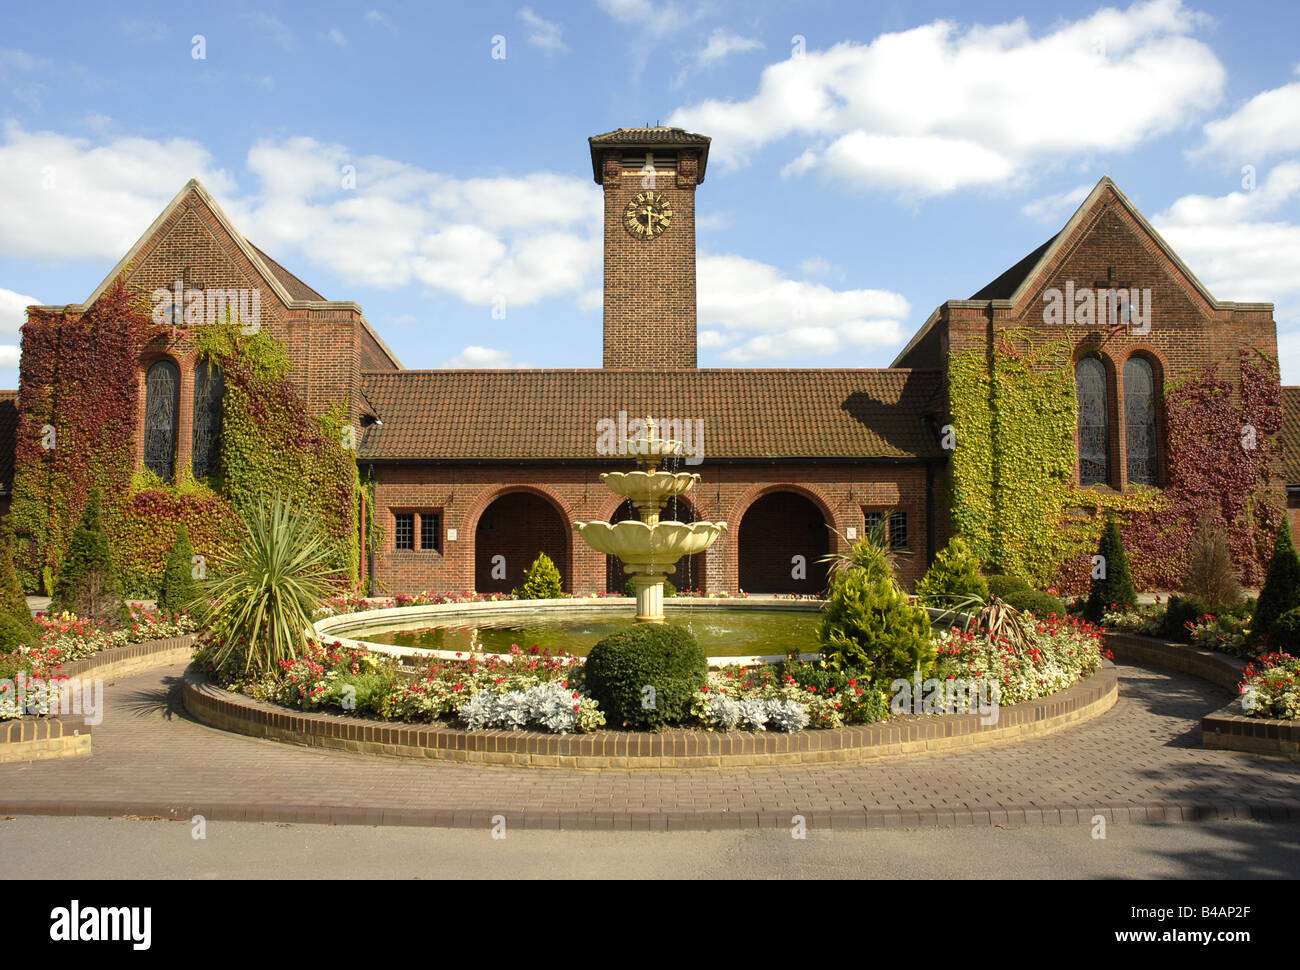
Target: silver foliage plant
549,706
757,714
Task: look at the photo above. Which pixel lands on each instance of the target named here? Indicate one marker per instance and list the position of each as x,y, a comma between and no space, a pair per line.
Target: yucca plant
872,550
260,599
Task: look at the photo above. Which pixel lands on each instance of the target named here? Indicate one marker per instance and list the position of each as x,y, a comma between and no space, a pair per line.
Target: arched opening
509,535
782,538
1094,422
690,569
209,389
162,397
1142,444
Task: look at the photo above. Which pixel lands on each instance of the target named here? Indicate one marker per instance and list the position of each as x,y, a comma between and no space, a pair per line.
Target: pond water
722,633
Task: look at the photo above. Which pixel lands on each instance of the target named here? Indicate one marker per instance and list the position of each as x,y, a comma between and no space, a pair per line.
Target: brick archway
778,523
517,523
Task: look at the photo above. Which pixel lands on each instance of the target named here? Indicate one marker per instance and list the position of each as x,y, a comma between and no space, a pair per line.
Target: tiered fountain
649,549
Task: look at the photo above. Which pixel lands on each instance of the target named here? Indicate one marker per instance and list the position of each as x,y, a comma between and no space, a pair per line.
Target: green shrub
953,579
1002,585
646,676
542,581
15,633
1210,575
1179,611
88,584
12,601
260,604
869,624
1281,592
178,589
1115,586
1035,602
365,692
629,589
1285,636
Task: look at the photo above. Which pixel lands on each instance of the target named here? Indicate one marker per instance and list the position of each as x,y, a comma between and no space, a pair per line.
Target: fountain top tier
652,449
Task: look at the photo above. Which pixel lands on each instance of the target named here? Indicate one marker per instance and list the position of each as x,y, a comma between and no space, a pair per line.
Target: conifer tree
87,584
542,581
1281,592
953,578
1111,585
178,589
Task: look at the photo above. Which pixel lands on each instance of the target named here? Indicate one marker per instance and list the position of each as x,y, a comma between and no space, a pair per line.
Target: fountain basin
650,488
649,548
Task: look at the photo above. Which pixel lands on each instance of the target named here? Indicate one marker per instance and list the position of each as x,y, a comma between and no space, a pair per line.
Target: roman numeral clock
648,215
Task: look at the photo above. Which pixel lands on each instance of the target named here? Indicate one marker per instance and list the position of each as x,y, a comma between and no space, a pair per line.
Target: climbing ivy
1012,471
79,403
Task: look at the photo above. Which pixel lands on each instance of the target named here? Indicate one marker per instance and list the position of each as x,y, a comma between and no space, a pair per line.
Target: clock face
648,215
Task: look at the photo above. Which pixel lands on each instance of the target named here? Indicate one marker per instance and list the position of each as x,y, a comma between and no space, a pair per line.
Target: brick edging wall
1228,729
219,708
39,738
133,657
1217,668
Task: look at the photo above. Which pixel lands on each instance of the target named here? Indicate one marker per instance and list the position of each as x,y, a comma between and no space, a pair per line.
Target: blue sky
899,155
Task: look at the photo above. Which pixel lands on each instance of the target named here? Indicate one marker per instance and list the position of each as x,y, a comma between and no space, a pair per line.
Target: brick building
475,472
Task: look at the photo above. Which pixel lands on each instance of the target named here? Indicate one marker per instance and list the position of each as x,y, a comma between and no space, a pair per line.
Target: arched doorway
509,535
690,570
773,531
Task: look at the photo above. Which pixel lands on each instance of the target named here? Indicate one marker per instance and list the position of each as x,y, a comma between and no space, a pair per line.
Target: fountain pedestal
649,549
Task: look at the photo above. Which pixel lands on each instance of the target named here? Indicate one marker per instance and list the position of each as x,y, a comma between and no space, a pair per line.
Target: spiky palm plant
260,599
873,549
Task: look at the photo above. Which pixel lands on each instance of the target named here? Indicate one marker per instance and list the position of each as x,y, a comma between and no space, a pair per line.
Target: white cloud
273,26
13,312
377,18
1265,125
9,355
722,44
1239,247
146,31
483,358
19,60
939,108
543,33
773,316
1053,209
815,266
657,18
64,198
336,36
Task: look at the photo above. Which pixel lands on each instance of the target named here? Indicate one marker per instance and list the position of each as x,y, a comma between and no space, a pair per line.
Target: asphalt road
119,848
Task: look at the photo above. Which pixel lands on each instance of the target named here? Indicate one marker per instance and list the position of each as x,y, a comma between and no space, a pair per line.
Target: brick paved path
1142,761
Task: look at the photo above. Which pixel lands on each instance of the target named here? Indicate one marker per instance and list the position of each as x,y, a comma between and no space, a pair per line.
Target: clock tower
649,176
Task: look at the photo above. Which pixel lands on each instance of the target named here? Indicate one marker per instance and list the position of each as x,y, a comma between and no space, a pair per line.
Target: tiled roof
657,135
641,137
8,437
1291,434
1006,285
296,287
504,415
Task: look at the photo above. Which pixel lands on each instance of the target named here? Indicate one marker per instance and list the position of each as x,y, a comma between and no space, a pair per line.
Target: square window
430,531
895,527
404,530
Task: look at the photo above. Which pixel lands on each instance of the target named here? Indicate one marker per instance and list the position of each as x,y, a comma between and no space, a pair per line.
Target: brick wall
464,495
650,283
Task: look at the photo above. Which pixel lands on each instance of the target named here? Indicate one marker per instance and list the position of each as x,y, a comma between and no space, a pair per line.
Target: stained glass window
1140,421
209,388
161,404
1094,427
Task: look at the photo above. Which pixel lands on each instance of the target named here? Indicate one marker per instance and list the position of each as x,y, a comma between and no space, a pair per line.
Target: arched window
1094,430
161,405
209,389
1142,447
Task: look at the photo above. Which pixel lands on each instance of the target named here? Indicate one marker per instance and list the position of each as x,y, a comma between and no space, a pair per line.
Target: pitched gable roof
291,291
1018,284
536,415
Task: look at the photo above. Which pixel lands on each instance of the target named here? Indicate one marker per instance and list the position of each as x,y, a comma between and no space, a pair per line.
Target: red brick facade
796,461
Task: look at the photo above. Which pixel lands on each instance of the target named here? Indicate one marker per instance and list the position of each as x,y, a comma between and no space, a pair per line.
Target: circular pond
721,632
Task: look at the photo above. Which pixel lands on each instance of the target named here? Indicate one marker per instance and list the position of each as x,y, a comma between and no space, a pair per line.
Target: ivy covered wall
80,406
1012,474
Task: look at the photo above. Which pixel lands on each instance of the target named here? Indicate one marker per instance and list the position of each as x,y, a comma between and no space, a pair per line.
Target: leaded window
161,406
209,389
1094,427
404,530
430,533
1141,445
